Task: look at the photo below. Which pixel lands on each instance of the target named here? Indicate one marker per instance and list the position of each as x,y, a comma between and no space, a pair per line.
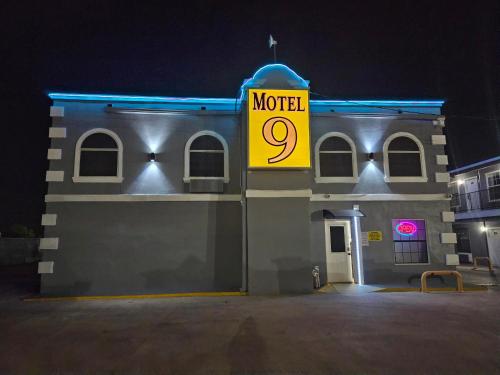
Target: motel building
152,194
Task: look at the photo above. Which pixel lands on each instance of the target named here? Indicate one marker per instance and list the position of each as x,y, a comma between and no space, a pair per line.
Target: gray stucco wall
142,133
139,247
369,134
166,135
144,247
378,257
279,260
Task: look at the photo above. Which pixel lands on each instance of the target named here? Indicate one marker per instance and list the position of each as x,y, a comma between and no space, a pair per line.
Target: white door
338,251
494,245
472,194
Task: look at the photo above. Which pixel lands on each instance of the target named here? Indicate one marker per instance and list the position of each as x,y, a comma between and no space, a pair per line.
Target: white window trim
387,176
426,246
488,185
187,178
98,179
329,179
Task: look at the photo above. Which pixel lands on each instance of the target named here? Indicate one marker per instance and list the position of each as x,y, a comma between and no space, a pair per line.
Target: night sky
347,49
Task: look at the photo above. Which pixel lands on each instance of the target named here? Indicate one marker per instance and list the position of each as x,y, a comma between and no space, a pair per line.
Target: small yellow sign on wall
375,235
278,129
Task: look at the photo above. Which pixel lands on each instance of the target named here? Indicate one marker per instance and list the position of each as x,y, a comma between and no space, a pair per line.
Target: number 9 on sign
289,141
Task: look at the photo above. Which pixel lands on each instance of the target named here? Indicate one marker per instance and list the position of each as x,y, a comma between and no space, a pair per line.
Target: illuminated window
410,241
493,181
335,157
98,157
404,159
206,157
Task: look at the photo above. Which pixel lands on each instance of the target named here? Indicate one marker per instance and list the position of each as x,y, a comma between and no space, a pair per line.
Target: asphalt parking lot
332,333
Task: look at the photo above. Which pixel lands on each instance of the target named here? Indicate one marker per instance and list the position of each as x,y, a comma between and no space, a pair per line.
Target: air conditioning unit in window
206,186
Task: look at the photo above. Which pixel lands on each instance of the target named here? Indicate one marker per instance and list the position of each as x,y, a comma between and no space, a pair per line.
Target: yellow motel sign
278,129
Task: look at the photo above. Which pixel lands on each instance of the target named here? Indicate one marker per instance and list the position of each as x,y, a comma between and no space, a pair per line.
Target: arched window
98,157
336,159
404,159
206,157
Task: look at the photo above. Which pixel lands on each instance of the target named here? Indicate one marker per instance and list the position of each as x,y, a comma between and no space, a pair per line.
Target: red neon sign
406,228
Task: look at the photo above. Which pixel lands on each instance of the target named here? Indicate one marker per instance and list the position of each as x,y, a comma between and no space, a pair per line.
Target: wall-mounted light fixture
152,157
460,182
370,156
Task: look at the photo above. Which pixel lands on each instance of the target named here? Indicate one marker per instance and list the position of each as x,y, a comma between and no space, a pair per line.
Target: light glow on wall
371,174
150,179
359,250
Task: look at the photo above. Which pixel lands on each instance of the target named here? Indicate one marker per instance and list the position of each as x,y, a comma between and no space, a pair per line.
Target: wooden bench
426,274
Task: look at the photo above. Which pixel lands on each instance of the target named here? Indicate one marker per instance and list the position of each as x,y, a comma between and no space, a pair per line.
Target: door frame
347,229
468,200
488,243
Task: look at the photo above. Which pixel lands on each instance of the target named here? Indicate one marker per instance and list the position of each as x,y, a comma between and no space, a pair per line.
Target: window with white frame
336,159
98,157
404,159
493,181
410,241
206,157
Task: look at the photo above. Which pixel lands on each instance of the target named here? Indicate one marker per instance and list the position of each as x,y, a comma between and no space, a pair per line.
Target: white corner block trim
448,216
45,267
54,176
452,260
438,139
305,193
49,219
56,111
57,132
448,238
54,154
50,243
442,177
442,159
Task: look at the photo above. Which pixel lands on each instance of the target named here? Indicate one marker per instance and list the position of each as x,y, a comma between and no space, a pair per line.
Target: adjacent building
154,194
475,193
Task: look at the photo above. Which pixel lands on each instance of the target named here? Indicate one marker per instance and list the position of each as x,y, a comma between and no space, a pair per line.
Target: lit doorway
338,246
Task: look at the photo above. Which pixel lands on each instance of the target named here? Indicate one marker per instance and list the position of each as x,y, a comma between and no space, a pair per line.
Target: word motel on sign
263,102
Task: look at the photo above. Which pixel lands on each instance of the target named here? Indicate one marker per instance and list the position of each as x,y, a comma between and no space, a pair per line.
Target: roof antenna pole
272,44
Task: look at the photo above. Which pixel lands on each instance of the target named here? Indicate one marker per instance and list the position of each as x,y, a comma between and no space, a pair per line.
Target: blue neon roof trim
179,100
137,98
477,164
379,103
285,74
